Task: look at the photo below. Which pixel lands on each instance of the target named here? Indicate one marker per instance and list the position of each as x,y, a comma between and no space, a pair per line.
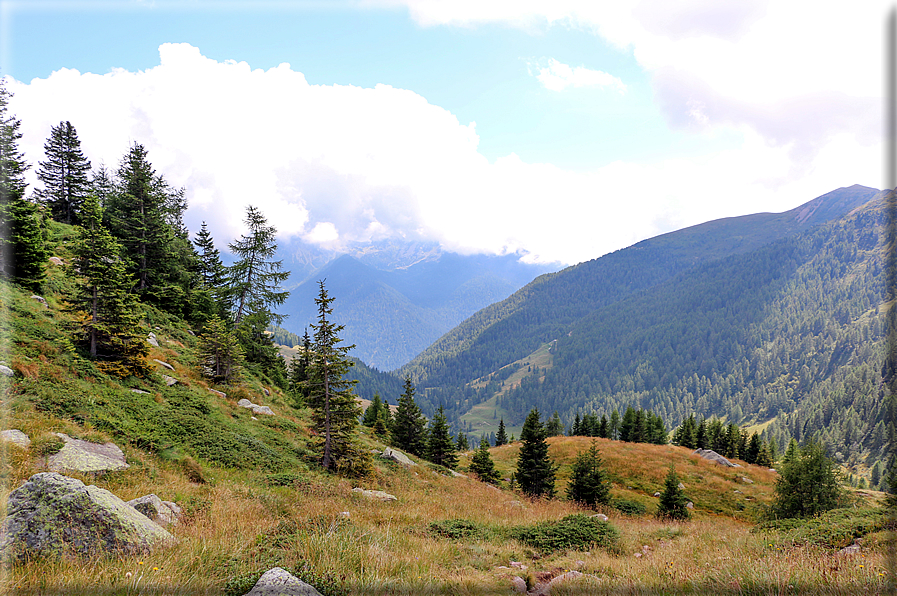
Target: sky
558,130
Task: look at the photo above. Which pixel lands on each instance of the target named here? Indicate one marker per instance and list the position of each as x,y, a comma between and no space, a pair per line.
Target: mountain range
766,319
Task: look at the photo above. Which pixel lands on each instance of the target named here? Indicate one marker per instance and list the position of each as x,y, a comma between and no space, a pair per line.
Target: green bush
834,529
283,479
457,529
629,507
574,532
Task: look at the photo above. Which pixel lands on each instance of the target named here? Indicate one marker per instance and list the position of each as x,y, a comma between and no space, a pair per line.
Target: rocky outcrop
280,582
16,437
715,457
397,456
83,456
52,514
162,512
377,495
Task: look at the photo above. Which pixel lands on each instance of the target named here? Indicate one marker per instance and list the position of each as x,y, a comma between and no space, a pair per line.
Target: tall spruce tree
589,484
145,214
809,483
535,470
65,174
409,425
212,273
482,465
23,250
554,427
111,328
440,445
331,395
297,372
219,352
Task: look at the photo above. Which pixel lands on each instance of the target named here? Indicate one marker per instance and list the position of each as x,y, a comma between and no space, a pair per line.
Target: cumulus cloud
557,76
335,163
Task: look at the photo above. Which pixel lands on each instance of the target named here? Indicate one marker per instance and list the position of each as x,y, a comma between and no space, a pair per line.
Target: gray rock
218,393
280,582
190,331
16,437
518,584
397,456
41,299
746,480
256,409
156,509
599,517
151,338
657,494
6,371
690,505
51,514
83,456
169,381
713,456
267,393
377,495
56,261
165,364
681,486
245,403
139,391
850,550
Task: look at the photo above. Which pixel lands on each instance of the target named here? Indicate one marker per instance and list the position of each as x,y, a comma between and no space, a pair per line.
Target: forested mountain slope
787,328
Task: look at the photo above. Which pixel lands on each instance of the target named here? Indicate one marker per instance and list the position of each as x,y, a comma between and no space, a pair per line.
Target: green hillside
788,328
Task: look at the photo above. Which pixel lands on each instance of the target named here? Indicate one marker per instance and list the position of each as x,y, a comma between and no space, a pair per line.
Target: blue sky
558,130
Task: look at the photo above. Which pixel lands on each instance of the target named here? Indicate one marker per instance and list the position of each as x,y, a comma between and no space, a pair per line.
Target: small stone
218,393
690,505
139,391
245,403
657,494
151,338
262,410
681,486
773,470
518,584
279,582
850,550
165,364
638,555
599,517
190,331
344,514
6,371
518,565
397,456
267,393
41,300
56,261
746,480
169,380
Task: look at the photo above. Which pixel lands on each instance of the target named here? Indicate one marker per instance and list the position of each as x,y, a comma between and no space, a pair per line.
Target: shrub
457,529
629,507
808,484
283,479
574,532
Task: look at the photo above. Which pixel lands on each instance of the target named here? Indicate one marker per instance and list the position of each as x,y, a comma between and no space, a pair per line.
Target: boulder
151,338
245,403
518,584
280,582
850,550
83,456
169,381
599,517
161,512
377,495
56,260
16,437
746,480
713,456
139,391
51,514
256,409
41,299
6,371
397,456
165,364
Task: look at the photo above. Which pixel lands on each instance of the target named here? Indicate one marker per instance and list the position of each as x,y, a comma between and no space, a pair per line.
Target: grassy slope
240,522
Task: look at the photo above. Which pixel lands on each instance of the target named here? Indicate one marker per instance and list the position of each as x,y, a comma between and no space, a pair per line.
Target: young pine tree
331,395
482,465
409,424
219,352
501,437
672,503
588,484
535,470
440,444
554,427
64,174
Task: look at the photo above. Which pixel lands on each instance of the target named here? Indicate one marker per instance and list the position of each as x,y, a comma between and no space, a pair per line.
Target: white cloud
339,163
557,76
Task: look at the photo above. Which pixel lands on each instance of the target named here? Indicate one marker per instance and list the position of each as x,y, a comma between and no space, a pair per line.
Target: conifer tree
461,442
628,424
112,330
64,174
298,372
373,412
409,425
331,395
554,427
808,484
482,465
501,437
440,444
589,484
254,287
576,427
212,273
219,352
672,503
614,425
535,470
23,251
604,428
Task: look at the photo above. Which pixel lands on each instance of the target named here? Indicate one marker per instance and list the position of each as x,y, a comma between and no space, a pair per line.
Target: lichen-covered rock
713,456
83,456
161,512
6,371
16,437
280,582
397,456
256,409
377,495
52,514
